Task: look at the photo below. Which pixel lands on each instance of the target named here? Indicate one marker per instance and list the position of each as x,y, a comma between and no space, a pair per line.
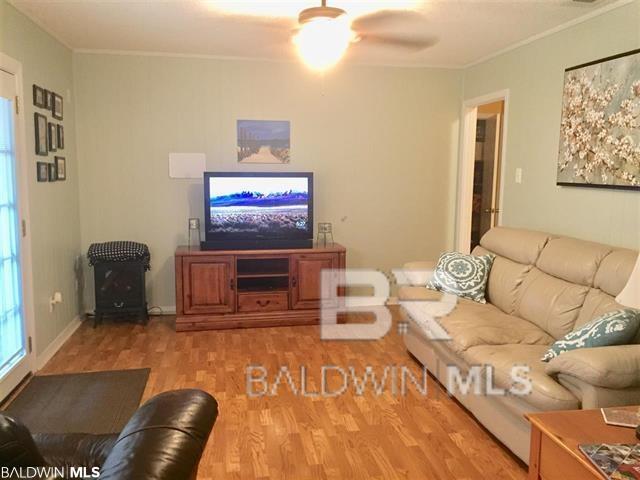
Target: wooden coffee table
555,437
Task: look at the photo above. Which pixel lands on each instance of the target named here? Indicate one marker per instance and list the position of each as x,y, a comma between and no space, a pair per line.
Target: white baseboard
153,310
166,310
53,347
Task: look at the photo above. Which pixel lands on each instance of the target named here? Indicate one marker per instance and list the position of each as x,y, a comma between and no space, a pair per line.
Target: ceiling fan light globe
321,42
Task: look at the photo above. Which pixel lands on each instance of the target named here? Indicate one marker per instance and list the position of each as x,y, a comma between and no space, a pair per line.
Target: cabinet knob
263,303
232,284
294,281
118,304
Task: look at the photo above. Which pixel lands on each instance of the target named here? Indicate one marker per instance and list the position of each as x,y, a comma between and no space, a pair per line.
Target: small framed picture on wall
48,99
60,129
41,134
53,137
53,172
38,96
61,168
42,170
57,107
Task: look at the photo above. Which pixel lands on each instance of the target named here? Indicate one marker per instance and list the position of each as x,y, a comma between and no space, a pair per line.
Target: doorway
480,181
16,357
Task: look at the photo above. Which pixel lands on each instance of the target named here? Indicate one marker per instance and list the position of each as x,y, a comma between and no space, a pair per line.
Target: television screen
259,205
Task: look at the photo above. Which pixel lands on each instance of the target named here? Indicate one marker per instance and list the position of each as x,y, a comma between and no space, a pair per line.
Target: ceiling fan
325,33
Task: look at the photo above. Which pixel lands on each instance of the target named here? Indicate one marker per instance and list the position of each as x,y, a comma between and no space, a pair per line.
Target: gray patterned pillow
462,275
613,328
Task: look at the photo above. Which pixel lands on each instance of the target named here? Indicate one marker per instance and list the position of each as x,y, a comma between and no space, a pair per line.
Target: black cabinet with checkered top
119,273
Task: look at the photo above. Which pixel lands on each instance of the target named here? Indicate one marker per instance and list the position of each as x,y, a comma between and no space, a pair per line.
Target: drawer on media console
263,302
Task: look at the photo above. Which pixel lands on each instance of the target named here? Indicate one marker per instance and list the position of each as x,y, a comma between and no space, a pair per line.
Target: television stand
219,289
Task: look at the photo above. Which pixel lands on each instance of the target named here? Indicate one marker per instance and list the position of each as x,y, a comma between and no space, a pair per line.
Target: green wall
534,75
53,207
381,142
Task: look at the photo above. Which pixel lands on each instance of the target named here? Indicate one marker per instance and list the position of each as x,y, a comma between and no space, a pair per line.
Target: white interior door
15,358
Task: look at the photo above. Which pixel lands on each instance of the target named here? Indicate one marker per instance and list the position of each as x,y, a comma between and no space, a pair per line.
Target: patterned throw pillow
613,328
462,275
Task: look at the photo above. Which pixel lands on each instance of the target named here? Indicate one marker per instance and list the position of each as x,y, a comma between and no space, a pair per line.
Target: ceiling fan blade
385,19
394,41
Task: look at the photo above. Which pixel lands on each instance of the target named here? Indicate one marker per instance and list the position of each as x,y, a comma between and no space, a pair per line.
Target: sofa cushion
546,393
549,302
462,275
573,260
596,304
614,328
504,281
615,270
522,246
472,324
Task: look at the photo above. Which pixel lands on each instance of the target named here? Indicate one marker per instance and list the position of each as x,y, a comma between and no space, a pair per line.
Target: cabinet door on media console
307,292
209,284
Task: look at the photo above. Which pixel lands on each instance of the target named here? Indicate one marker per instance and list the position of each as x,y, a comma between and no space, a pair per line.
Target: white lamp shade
630,294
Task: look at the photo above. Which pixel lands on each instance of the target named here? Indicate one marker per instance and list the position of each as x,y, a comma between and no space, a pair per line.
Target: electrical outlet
53,301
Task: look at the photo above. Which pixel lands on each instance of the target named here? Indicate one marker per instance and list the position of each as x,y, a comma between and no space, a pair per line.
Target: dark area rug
94,402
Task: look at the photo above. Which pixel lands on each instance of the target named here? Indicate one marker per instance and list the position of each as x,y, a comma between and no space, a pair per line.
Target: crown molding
146,53
551,31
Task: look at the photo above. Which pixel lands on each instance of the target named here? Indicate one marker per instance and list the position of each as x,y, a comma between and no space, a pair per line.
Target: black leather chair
163,440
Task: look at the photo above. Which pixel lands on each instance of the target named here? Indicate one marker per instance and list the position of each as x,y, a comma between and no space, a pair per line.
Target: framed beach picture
263,141
61,168
599,136
41,134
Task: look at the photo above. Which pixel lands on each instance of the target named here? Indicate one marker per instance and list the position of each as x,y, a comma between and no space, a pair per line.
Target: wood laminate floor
347,436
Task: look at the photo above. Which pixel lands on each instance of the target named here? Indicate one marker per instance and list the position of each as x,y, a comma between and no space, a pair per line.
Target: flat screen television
258,210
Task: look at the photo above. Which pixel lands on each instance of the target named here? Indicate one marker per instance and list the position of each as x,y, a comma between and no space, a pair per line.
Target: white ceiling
466,30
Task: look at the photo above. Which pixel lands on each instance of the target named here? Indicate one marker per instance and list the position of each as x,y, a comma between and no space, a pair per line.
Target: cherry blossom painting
600,125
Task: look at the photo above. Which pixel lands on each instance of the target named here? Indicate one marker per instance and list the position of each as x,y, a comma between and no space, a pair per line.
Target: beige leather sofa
541,287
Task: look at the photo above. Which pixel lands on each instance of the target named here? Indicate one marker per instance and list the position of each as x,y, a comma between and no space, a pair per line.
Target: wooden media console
218,289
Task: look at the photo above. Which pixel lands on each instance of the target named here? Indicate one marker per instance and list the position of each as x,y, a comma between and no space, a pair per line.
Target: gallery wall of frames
49,135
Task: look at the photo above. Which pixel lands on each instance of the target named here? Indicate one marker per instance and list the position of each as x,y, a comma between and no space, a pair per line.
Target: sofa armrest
73,449
164,439
17,447
592,397
615,367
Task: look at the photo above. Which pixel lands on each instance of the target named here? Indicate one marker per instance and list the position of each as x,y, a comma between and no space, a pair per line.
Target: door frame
469,118
14,67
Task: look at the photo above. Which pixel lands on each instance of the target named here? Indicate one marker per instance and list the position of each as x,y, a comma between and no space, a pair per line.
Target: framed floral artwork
600,125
